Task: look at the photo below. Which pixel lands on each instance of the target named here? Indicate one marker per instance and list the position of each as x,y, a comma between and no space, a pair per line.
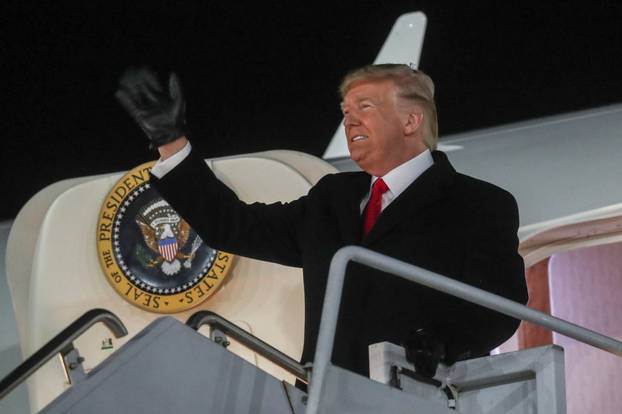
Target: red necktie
374,206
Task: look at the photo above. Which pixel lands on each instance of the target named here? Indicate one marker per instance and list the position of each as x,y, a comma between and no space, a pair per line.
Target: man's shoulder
478,184
468,187
478,191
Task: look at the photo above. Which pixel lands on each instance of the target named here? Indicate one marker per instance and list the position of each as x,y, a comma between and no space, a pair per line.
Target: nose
350,119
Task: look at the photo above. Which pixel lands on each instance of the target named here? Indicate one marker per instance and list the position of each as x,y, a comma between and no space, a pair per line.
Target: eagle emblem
166,234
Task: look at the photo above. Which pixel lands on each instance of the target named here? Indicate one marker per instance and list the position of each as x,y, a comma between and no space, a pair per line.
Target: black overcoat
444,221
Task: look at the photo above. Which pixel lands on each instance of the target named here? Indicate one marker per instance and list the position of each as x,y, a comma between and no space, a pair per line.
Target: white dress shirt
400,177
161,168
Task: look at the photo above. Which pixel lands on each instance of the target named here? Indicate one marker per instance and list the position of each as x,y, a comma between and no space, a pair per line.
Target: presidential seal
149,254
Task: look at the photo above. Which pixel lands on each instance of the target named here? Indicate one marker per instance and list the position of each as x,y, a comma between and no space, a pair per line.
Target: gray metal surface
555,167
323,353
522,382
348,393
170,368
10,353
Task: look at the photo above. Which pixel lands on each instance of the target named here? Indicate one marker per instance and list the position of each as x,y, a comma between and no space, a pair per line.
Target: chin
365,167
363,163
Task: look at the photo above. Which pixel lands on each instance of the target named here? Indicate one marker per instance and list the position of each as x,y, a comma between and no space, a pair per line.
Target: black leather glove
161,114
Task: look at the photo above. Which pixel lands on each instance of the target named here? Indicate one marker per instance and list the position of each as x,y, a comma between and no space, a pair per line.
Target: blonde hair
413,85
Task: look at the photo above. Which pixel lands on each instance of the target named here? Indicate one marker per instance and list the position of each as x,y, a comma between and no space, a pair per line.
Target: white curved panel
21,245
310,167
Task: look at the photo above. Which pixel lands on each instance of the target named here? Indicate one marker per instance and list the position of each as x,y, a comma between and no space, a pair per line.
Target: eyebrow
358,101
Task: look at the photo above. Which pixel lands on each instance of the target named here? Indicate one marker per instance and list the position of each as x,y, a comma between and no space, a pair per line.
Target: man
408,203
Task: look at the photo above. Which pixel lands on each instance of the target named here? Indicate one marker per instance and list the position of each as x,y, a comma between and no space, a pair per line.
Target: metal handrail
61,343
216,321
334,287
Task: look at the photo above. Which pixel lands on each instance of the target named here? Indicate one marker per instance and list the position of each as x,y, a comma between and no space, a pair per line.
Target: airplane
570,232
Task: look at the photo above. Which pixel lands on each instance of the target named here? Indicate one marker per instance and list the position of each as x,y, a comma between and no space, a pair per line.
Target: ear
414,121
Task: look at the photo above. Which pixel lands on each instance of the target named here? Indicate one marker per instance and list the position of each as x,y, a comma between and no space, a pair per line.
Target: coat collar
425,190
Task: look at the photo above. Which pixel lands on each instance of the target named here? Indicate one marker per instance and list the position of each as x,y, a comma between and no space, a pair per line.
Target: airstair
170,367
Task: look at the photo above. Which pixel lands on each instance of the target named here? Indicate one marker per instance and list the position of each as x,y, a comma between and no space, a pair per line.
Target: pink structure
586,289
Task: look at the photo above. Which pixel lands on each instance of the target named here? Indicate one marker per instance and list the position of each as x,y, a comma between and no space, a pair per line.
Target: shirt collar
399,178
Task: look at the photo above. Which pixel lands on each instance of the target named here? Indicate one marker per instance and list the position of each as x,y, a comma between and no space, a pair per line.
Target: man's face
377,127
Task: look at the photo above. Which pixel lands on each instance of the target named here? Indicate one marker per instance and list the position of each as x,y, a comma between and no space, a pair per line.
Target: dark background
264,75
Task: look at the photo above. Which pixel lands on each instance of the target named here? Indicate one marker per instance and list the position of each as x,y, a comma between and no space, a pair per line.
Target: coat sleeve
491,263
270,232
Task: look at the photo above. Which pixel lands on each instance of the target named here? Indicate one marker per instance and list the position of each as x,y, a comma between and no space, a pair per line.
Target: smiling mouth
359,138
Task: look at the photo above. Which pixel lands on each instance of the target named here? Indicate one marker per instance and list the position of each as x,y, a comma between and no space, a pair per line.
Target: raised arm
210,207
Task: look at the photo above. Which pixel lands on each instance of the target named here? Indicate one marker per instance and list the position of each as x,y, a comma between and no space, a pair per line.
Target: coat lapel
349,208
425,190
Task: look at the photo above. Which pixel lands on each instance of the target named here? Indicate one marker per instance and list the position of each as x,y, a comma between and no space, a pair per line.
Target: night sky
264,75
